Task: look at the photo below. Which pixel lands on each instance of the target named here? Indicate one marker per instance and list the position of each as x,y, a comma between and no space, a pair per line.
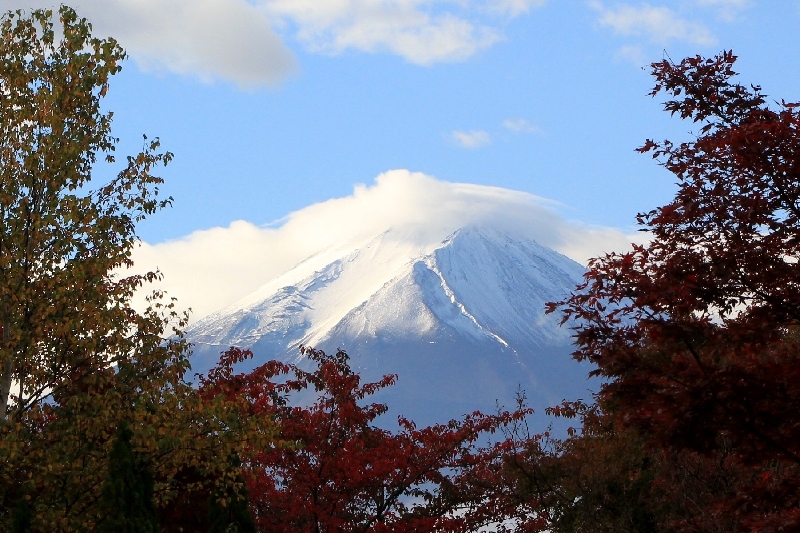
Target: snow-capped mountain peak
397,299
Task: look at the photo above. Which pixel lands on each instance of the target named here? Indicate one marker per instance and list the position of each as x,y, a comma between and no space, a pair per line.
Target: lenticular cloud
212,268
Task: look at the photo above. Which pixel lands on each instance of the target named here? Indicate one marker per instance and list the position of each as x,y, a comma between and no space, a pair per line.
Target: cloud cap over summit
212,268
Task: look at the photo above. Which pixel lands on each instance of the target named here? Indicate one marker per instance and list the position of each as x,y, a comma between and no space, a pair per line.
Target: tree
76,360
697,331
127,498
339,472
63,310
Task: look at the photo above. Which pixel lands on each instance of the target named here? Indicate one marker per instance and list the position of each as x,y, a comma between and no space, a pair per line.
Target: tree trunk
8,366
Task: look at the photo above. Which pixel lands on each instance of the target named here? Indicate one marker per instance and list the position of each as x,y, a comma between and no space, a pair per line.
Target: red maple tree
696,332
337,471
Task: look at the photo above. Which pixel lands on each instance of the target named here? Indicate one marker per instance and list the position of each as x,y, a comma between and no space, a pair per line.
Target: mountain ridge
463,314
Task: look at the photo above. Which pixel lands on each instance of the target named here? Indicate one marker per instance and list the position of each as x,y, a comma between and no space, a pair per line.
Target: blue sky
274,105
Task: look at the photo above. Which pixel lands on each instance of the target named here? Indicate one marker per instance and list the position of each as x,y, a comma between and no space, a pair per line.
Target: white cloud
408,28
513,8
211,39
471,139
727,9
520,125
210,269
738,4
632,54
235,40
659,24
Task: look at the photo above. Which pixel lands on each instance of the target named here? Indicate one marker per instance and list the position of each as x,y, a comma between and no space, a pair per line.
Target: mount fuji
459,318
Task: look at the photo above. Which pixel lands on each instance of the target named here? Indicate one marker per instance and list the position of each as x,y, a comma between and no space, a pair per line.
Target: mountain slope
461,321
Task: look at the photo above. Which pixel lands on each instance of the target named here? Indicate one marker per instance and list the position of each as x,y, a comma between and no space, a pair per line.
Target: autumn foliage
695,335
696,332
338,471
78,364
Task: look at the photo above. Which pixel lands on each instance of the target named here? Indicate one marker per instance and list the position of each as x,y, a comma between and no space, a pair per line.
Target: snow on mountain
459,318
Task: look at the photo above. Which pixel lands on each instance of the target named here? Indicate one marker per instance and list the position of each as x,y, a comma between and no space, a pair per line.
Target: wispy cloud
632,54
513,8
471,139
725,4
520,125
656,23
411,29
728,9
210,269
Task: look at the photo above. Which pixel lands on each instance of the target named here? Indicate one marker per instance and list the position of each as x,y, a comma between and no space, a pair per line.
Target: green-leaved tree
77,361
